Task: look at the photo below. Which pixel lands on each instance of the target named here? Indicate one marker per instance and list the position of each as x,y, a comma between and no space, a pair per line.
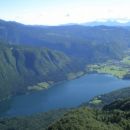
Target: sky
57,12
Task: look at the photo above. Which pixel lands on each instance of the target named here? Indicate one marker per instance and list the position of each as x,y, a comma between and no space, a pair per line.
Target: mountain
92,44
107,23
23,67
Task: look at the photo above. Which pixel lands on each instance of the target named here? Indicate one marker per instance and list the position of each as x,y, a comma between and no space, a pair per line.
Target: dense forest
115,116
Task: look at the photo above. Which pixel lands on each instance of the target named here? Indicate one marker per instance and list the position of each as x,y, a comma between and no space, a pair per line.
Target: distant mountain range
106,23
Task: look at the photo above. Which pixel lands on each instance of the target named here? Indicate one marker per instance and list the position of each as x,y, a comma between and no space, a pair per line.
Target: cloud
75,12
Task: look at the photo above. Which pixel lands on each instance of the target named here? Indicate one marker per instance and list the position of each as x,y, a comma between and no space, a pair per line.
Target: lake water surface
65,95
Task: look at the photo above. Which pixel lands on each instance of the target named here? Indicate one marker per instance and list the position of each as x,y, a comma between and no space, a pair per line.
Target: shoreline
58,83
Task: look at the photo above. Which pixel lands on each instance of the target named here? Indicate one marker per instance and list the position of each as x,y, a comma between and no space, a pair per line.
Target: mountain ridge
91,41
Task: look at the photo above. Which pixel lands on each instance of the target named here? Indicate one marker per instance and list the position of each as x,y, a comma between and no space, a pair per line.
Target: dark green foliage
119,104
115,116
82,119
35,122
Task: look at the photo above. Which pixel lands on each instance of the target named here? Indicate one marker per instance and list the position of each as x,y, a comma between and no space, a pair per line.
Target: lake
65,95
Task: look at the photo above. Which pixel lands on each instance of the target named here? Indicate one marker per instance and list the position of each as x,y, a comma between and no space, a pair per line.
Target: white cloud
72,13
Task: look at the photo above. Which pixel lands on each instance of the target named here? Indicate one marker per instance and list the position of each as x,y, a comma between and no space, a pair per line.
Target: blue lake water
65,95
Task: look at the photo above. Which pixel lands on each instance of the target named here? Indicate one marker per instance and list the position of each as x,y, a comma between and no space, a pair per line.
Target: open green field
116,68
40,86
126,60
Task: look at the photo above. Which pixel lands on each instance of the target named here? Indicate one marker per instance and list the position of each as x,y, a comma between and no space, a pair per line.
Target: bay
65,95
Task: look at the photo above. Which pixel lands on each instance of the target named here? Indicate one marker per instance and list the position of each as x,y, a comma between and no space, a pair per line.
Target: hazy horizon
57,12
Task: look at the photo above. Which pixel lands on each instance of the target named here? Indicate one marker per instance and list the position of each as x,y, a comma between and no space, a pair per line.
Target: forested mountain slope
22,66
115,116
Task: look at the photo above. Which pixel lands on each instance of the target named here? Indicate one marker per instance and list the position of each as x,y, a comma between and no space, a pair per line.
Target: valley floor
118,68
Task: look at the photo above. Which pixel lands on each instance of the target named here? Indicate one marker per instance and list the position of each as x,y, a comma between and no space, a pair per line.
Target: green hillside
102,100
34,122
115,116
24,68
122,104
